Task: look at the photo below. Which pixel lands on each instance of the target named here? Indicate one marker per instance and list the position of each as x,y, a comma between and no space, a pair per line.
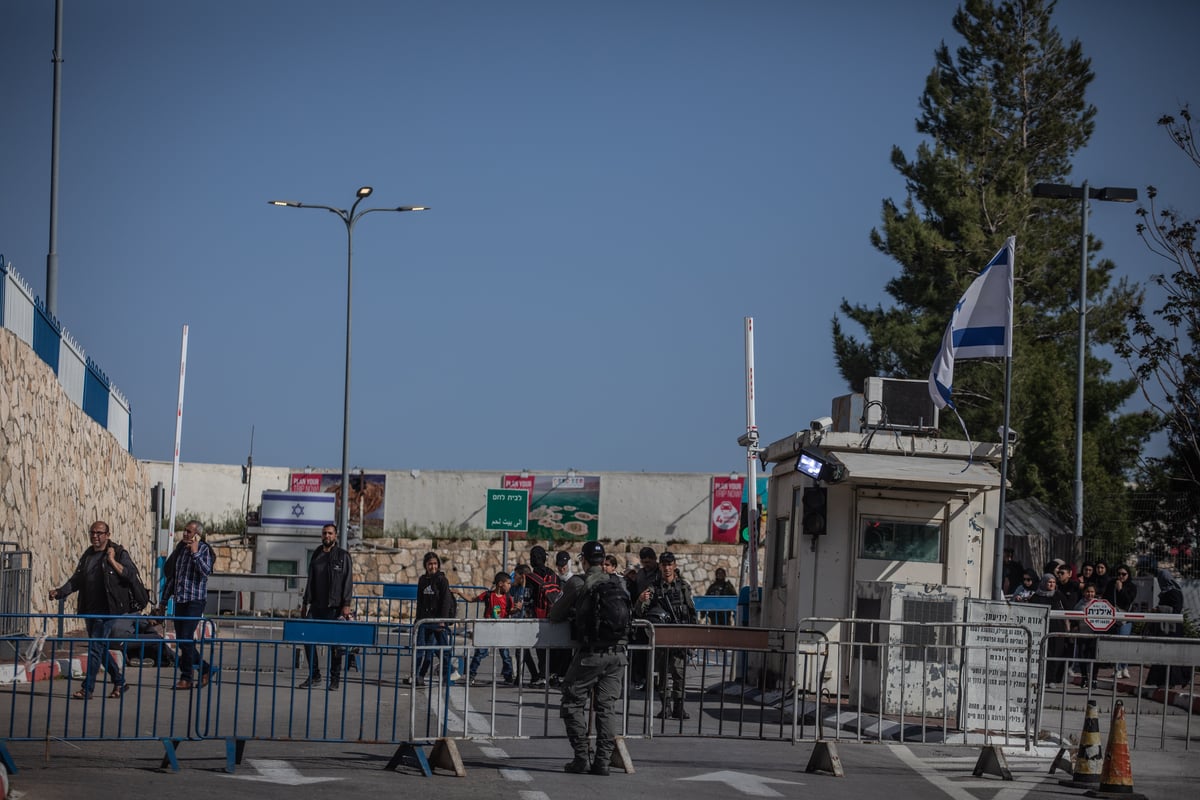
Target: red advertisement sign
726,510
519,482
305,482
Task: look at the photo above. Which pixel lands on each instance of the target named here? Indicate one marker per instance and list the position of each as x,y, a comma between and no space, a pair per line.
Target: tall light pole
350,218
1060,191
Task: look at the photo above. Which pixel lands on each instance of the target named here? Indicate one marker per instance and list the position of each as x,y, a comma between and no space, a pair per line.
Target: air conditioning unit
913,668
894,404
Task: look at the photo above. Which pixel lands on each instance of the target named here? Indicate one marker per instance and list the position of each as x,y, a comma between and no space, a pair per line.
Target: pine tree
1005,110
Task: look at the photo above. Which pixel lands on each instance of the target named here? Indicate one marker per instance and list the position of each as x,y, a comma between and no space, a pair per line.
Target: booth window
892,540
288,568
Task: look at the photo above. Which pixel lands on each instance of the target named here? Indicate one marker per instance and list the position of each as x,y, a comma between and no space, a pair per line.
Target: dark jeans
187,619
98,631
335,653
505,659
437,638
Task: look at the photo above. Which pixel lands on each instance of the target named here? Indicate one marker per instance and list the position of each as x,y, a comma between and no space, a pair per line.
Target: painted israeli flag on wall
981,326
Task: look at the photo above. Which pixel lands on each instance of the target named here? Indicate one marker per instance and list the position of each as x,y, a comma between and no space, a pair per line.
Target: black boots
673,710
577,765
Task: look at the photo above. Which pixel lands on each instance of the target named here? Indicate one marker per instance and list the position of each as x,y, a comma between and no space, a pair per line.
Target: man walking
185,577
327,595
599,608
104,578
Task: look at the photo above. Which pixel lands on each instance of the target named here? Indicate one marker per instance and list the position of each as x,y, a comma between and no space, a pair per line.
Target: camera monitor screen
809,466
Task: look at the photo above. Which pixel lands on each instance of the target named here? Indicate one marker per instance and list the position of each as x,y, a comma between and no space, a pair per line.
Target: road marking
744,782
518,775
958,786
270,771
492,752
533,795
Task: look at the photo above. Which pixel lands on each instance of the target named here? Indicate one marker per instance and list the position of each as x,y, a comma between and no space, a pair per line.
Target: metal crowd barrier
827,681
1159,695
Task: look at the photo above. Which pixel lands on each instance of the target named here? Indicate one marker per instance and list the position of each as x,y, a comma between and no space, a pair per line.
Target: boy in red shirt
497,604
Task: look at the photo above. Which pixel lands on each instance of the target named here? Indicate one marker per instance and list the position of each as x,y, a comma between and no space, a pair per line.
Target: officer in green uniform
669,600
594,669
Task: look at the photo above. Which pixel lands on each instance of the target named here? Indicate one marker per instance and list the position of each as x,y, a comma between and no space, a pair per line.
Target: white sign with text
1000,676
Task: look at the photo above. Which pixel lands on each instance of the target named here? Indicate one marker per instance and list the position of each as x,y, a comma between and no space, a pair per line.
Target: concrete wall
60,471
651,507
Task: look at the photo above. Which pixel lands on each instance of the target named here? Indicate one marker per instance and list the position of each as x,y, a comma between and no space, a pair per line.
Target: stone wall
475,563
59,472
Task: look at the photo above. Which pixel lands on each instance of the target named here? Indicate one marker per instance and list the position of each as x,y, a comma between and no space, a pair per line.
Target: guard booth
284,543
886,521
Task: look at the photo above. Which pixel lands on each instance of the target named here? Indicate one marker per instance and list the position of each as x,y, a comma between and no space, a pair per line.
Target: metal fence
825,681
16,582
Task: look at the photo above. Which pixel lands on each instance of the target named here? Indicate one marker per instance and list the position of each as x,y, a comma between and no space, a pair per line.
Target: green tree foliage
1162,349
1005,110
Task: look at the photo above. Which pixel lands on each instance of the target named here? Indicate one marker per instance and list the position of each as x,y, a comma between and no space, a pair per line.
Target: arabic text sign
508,510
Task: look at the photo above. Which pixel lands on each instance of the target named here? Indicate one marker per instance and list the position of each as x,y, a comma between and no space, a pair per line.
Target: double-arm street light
349,218
1059,191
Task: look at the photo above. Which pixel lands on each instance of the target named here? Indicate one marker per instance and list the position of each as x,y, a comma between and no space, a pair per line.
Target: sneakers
540,683
334,684
309,681
478,681
577,765
455,675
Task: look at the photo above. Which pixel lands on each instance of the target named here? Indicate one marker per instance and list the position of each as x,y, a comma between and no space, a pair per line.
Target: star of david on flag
981,326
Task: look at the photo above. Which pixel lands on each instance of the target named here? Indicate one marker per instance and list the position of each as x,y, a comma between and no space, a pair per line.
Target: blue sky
614,187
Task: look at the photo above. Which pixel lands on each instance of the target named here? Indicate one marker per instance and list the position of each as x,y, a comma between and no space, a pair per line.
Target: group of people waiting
1063,589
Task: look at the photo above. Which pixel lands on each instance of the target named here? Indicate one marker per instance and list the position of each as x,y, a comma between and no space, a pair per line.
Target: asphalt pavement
698,768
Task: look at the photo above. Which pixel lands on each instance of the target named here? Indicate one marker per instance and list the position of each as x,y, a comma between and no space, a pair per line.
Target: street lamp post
350,218
1059,191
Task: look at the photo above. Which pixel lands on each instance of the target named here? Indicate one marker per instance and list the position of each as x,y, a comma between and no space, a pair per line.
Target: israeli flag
981,326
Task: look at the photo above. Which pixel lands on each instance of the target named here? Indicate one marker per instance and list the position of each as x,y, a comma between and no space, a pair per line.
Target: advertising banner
561,507
725,510
366,496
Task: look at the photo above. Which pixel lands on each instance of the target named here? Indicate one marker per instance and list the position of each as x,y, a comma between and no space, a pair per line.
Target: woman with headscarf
1058,648
1170,601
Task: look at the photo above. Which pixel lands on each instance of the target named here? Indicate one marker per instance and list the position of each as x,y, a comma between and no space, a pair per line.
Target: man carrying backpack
545,591
600,612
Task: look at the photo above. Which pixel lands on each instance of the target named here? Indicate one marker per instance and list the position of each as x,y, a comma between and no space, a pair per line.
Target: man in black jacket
103,578
327,595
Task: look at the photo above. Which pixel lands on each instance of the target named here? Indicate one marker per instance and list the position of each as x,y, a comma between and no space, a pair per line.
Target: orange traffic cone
1089,757
1116,778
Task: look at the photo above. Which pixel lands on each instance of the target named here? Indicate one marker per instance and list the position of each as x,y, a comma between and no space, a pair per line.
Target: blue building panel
95,397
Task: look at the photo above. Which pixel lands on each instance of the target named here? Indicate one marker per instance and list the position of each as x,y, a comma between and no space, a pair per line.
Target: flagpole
998,562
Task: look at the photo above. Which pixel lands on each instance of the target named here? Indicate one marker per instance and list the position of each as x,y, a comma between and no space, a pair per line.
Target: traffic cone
1116,778
1089,758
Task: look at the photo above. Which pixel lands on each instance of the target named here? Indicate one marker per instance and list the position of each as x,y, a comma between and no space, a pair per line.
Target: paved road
531,769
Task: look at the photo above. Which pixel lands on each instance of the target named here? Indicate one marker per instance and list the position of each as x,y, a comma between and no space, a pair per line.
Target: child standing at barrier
522,595
497,604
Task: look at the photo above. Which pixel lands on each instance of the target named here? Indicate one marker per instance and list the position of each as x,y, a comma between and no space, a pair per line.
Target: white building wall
653,507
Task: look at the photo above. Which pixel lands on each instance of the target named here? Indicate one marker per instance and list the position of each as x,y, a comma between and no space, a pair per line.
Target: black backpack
139,598
603,613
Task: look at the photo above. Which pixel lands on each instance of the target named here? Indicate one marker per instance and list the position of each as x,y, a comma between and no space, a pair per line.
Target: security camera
821,424
1013,436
